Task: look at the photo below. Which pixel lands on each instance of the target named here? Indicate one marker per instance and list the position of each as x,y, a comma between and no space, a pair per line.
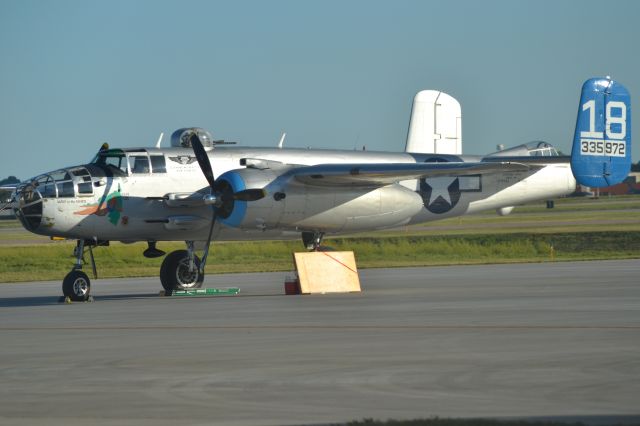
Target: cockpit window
47,186
116,162
65,189
158,164
60,175
85,188
56,184
112,160
139,164
83,179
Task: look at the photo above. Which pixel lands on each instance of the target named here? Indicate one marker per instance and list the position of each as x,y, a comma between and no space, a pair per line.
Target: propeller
218,194
221,196
203,160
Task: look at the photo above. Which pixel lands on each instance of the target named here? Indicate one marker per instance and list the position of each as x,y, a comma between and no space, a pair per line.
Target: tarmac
559,340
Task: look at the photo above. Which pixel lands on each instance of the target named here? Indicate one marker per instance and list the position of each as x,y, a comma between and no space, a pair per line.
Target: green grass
576,229
53,261
9,223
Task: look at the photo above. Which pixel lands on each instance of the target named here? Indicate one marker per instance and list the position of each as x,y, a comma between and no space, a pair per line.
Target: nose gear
76,284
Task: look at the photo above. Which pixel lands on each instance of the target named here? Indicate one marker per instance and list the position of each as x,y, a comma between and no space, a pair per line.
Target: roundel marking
439,194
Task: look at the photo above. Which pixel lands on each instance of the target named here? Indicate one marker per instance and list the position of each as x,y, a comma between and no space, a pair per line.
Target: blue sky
332,74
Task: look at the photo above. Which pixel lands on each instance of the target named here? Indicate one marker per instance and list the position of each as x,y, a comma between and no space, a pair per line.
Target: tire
175,275
76,286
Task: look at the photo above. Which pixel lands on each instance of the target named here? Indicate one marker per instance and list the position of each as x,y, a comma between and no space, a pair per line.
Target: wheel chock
67,300
231,291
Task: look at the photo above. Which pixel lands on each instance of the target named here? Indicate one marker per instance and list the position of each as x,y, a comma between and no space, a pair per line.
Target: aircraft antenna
159,140
281,143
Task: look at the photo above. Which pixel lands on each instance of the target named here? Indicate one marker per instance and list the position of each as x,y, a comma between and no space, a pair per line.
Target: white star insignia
440,188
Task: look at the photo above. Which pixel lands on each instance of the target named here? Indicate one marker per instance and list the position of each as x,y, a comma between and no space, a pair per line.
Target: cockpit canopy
74,181
531,149
64,183
118,162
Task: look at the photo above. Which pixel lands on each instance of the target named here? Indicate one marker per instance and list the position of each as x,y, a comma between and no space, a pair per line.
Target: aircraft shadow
32,301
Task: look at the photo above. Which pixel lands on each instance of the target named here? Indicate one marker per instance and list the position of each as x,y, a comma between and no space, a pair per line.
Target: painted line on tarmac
325,327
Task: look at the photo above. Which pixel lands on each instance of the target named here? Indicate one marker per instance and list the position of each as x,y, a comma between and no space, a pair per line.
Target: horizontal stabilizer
601,152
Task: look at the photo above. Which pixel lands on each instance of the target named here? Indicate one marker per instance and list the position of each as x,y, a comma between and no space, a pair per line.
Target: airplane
201,189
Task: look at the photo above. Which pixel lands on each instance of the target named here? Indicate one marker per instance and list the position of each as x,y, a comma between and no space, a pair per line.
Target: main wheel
175,274
76,286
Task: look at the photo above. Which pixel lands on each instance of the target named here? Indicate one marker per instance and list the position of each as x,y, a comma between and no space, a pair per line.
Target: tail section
601,152
436,124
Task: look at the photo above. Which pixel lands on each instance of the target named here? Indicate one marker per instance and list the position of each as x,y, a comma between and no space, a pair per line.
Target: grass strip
480,422
53,261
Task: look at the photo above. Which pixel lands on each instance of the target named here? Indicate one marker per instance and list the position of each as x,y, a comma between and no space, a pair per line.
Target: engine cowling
294,206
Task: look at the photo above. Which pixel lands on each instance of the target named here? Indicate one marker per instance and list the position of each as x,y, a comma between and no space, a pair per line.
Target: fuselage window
158,164
65,189
85,188
139,164
49,189
47,186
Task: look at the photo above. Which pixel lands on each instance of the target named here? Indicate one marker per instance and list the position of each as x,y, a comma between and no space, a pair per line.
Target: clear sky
332,74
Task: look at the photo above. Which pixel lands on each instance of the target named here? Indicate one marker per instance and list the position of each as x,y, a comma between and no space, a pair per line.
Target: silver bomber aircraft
200,190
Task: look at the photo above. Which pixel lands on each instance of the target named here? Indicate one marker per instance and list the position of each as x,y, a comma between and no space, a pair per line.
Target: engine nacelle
299,207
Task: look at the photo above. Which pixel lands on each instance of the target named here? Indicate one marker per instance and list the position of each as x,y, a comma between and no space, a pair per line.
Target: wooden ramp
327,272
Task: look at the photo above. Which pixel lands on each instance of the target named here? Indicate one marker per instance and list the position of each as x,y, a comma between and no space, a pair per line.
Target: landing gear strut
77,285
312,240
181,270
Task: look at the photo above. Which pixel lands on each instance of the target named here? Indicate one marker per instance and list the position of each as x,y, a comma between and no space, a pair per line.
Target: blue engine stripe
239,207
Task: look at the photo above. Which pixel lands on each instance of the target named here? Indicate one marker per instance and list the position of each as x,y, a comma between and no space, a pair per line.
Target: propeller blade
203,159
205,255
249,195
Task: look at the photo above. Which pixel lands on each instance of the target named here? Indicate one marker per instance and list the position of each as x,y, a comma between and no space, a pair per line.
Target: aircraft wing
386,174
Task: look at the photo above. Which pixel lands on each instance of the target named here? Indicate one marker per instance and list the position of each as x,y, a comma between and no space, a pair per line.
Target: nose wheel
76,286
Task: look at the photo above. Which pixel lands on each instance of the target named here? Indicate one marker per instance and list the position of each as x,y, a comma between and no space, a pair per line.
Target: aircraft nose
29,207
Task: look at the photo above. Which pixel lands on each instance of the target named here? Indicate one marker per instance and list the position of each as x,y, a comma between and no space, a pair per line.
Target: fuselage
155,194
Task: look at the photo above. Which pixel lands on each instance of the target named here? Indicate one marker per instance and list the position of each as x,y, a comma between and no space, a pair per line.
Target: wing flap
389,173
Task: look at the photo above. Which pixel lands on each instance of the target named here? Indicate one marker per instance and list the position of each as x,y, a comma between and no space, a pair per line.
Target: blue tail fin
601,153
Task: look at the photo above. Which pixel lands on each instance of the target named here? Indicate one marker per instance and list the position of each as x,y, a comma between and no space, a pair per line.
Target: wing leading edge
389,173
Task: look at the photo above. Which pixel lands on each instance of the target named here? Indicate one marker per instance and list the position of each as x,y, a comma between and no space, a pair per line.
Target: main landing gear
182,270
312,240
76,286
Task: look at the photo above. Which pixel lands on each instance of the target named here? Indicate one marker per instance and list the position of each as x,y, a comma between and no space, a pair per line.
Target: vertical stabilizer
601,154
436,124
